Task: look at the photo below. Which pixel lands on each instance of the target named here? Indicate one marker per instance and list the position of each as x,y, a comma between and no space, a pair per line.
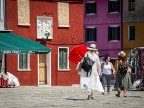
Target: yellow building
133,36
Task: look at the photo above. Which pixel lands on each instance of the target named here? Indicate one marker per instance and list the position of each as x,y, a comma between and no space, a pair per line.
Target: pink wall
102,20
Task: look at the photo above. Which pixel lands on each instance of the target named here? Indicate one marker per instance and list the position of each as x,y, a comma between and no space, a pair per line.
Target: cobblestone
66,97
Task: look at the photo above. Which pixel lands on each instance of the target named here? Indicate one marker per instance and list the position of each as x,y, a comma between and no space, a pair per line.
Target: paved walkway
66,97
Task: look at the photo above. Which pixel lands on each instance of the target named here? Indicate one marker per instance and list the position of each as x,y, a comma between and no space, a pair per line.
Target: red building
57,25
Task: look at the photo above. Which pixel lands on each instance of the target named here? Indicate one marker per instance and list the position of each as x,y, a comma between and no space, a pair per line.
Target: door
42,69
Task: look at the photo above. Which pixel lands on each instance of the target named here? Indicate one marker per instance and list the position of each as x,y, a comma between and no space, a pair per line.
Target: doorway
42,69
44,64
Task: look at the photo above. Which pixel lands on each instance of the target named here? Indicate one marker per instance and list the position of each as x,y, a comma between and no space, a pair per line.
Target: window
90,34
90,7
114,33
131,33
113,6
2,62
63,63
131,5
1,15
24,62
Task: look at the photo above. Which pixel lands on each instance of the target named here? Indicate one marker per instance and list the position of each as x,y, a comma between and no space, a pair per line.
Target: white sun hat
92,47
122,54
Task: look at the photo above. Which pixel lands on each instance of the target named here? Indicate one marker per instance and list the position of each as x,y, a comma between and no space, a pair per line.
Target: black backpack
123,68
87,65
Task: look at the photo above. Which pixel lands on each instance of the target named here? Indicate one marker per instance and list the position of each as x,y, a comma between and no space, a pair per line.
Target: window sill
132,11
63,69
115,41
90,41
113,13
91,14
23,70
6,30
67,26
23,24
131,40
43,38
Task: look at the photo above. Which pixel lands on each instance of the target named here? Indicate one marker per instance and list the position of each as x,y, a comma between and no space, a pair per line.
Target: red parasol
77,53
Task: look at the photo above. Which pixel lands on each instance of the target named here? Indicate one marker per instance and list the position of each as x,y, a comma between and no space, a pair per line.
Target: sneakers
89,97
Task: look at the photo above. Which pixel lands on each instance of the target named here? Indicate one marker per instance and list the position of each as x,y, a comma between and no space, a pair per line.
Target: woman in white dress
92,82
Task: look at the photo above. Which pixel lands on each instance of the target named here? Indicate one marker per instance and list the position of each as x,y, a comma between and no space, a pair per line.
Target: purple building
102,25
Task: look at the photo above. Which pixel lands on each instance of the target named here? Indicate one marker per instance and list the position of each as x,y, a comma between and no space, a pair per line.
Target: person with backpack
90,71
123,81
107,71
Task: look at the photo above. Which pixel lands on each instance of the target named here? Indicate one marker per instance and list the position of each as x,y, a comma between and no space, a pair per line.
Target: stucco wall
26,78
139,36
133,16
102,20
62,37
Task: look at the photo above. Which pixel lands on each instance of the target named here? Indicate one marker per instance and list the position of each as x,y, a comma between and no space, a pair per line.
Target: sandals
117,95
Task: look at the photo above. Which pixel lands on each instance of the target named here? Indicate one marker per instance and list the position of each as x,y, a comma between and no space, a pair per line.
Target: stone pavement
66,97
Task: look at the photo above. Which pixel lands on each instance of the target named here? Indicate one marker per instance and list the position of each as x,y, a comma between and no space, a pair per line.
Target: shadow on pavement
75,99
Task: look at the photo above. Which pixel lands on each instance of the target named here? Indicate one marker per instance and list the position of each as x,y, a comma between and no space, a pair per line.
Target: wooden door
42,69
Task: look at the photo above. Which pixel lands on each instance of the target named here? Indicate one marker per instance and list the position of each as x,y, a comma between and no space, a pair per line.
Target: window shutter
86,34
118,6
109,33
118,33
109,6
86,8
95,34
94,7
132,33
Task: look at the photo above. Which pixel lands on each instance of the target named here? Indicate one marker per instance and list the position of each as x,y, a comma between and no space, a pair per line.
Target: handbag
87,65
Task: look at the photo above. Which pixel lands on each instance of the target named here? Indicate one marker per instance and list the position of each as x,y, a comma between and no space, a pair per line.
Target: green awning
14,44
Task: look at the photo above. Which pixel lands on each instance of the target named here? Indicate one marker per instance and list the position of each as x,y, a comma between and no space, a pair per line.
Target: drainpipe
4,4
5,28
121,24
